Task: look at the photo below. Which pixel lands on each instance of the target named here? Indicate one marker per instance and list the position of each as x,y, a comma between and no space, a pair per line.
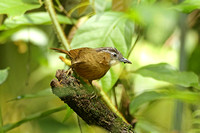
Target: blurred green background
160,37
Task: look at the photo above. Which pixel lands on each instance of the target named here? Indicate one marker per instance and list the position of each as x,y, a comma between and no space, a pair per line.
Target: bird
93,63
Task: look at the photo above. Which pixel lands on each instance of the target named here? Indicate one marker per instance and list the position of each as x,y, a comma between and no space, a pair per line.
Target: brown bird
91,63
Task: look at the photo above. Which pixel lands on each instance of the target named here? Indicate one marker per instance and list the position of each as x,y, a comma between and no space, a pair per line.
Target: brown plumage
92,63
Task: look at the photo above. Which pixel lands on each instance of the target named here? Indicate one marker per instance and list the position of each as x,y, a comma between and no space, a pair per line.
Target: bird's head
115,55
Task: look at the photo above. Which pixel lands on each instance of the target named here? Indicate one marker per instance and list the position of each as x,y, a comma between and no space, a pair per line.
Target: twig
59,30
62,9
133,46
79,124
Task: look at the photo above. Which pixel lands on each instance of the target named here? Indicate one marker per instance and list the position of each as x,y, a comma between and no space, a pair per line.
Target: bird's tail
61,50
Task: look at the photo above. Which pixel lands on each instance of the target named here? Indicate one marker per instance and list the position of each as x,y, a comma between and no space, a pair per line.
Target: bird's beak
125,60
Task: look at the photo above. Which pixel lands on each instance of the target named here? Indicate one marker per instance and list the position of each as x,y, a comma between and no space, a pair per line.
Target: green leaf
149,127
163,25
6,34
167,73
3,75
42,93
36,18
188,6
101,6
144,98
8,127
111,77
109,29
17,7
172,93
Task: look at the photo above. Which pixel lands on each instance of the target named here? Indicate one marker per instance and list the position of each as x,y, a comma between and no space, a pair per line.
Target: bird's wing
105,58
76,62
78,53
79,56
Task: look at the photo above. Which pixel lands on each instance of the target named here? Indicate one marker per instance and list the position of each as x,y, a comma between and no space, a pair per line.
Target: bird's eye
115,55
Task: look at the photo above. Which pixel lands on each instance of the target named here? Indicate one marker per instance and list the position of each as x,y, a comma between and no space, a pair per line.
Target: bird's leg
70,71
95,91
90,82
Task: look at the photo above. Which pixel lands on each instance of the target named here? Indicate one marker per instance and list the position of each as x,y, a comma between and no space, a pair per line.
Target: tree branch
87,103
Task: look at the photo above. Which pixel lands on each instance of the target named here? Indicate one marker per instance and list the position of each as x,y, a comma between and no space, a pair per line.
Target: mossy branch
87,103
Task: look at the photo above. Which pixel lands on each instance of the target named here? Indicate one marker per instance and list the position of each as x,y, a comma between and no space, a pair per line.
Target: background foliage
160,37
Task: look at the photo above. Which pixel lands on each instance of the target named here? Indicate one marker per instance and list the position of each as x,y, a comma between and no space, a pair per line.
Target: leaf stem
111,106
1,121
136,40
8,127
58,28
